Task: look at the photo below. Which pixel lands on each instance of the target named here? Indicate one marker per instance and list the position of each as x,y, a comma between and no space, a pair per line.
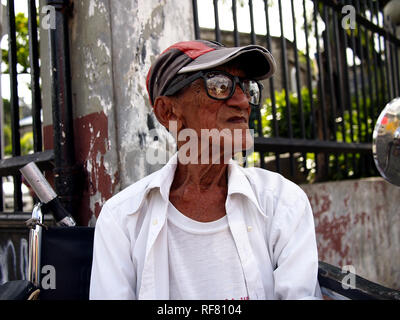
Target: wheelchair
60,262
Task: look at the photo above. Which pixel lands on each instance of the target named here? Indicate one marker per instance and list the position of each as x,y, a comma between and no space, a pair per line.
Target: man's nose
239,99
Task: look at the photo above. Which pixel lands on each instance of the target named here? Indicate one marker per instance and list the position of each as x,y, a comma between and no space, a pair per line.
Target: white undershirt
203,260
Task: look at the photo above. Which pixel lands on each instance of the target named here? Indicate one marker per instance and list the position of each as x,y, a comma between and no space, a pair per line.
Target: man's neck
201,176
199,190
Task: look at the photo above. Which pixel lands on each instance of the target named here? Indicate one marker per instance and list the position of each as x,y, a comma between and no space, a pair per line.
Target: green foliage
282,114
340,166
27,143
22,36
7,139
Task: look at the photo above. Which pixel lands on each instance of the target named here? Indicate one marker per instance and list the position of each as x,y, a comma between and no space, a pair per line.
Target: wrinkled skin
199,191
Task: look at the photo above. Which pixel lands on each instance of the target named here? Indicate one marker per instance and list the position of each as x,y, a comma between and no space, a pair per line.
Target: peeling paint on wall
157,25
113,44
92,149
358,223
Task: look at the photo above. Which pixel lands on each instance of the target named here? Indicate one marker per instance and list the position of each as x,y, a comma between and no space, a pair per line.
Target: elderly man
203,227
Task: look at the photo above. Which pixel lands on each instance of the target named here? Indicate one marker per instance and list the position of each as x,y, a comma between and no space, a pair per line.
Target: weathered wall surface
141,30
13,252
358,223
112,45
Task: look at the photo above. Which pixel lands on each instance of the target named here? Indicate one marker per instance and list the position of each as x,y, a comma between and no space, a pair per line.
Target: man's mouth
237,120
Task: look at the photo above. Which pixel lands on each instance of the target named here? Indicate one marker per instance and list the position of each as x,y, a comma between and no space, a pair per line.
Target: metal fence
61,159
317,120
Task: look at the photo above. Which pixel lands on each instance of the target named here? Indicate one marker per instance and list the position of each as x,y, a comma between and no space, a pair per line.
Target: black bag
67,252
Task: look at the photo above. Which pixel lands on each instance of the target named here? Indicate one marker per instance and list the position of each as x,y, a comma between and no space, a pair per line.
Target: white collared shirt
270,219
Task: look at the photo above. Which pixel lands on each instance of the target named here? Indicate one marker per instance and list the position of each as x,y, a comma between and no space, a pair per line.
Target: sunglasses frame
175,87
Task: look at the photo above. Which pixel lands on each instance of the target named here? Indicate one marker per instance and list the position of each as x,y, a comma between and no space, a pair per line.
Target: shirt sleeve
113,273
295,252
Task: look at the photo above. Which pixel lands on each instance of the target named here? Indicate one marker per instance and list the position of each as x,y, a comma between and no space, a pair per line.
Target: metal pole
65,169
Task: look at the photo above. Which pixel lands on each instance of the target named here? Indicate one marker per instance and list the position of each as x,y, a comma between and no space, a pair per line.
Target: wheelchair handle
35,244
46,195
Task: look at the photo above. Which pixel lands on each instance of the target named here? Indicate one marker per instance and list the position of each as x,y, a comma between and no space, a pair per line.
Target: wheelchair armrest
17,290
332,278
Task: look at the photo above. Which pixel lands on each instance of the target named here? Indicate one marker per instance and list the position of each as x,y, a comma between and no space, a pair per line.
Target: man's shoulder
272,183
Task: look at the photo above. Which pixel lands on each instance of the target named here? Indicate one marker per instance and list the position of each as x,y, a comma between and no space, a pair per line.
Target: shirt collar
238,183
163,180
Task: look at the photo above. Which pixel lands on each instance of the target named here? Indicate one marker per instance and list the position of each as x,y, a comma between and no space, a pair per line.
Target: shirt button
155,222
249,228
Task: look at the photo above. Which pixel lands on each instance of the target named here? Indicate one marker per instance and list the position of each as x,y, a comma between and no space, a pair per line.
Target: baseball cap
190,56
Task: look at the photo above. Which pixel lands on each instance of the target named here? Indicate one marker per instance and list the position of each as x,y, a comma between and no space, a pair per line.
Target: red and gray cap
190,56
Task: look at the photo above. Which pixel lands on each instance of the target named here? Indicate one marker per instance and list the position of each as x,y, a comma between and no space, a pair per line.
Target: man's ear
165,111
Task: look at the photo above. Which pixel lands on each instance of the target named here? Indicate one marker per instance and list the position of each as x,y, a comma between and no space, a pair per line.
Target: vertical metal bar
347,103
375,68
2,195
252,32
372,98
321,73
327,48
373,94
340,78
272,88
347,86
396,57
392,67
364,135
216,19
15,139
196,20
235,28
298,83
309,83
355,81
65,166
382,74
395,65
285,83
339,72
387,67
385,51
309,76
257,112
365,62
321,86
35,74
348,93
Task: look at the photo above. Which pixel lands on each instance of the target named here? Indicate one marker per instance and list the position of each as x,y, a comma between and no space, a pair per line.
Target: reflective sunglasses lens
252,91
218,85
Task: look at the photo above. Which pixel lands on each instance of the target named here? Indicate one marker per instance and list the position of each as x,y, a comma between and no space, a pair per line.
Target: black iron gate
60,161
317,121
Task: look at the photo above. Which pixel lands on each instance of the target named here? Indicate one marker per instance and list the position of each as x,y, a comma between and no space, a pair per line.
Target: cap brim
257,61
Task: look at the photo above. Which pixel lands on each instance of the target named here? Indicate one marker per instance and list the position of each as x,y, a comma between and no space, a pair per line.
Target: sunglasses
221,85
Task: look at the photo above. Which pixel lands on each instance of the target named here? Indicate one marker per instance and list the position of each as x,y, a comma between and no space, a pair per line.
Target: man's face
198,111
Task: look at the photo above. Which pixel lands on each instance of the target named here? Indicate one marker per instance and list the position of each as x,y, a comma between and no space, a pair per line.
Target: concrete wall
112,45
358,223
